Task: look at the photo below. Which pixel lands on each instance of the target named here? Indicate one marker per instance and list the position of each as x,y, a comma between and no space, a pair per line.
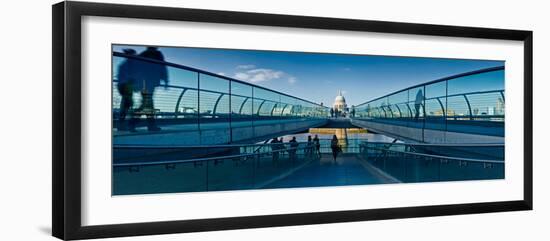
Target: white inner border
98,33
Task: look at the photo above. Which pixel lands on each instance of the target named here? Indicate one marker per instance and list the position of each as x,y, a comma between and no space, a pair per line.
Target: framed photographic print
171,120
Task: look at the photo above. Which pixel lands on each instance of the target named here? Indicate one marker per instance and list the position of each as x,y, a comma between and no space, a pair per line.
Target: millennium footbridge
215,134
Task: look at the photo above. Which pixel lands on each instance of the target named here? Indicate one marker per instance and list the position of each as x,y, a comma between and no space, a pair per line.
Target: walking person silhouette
151,76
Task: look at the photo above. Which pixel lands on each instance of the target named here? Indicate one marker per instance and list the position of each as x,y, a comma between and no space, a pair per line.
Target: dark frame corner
66,127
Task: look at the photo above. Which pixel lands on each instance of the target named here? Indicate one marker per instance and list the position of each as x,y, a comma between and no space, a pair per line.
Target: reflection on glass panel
270,101
299,108
187,100
404,110
223,108
278,109
256,105
368,111
436,100
438,89
398,98
214,84
389,111
309,109
214,102
188,104
209,103
165,100
267,108
383,112
396,111
487,105
457,108
487,81
183,78
236,103
379,112
434,107
241,101
289,104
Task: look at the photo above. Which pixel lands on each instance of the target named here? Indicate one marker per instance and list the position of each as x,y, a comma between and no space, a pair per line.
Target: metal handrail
441,157
445,144
202,159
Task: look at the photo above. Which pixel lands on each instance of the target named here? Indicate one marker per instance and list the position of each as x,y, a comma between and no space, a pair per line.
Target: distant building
340,103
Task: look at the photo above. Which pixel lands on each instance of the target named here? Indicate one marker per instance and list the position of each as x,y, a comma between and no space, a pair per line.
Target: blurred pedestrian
335,147
317,144
293,148
152,74
309,147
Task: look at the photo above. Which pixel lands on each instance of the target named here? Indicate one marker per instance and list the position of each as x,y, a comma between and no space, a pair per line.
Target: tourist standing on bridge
317,144
126,80
331,112
151,76
293,148
335,147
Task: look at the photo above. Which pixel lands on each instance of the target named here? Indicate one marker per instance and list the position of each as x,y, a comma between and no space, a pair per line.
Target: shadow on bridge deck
348,170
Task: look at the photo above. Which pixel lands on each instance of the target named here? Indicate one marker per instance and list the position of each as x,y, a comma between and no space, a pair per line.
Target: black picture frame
66,127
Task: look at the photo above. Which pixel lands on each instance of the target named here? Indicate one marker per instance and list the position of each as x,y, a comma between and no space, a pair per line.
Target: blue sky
318,77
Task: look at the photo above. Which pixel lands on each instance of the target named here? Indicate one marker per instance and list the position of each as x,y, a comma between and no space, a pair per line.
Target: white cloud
256,75
292,80
246,66
221,73
260,75
242,76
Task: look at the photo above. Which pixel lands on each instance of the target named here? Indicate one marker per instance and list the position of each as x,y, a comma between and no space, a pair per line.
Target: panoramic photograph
188,119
